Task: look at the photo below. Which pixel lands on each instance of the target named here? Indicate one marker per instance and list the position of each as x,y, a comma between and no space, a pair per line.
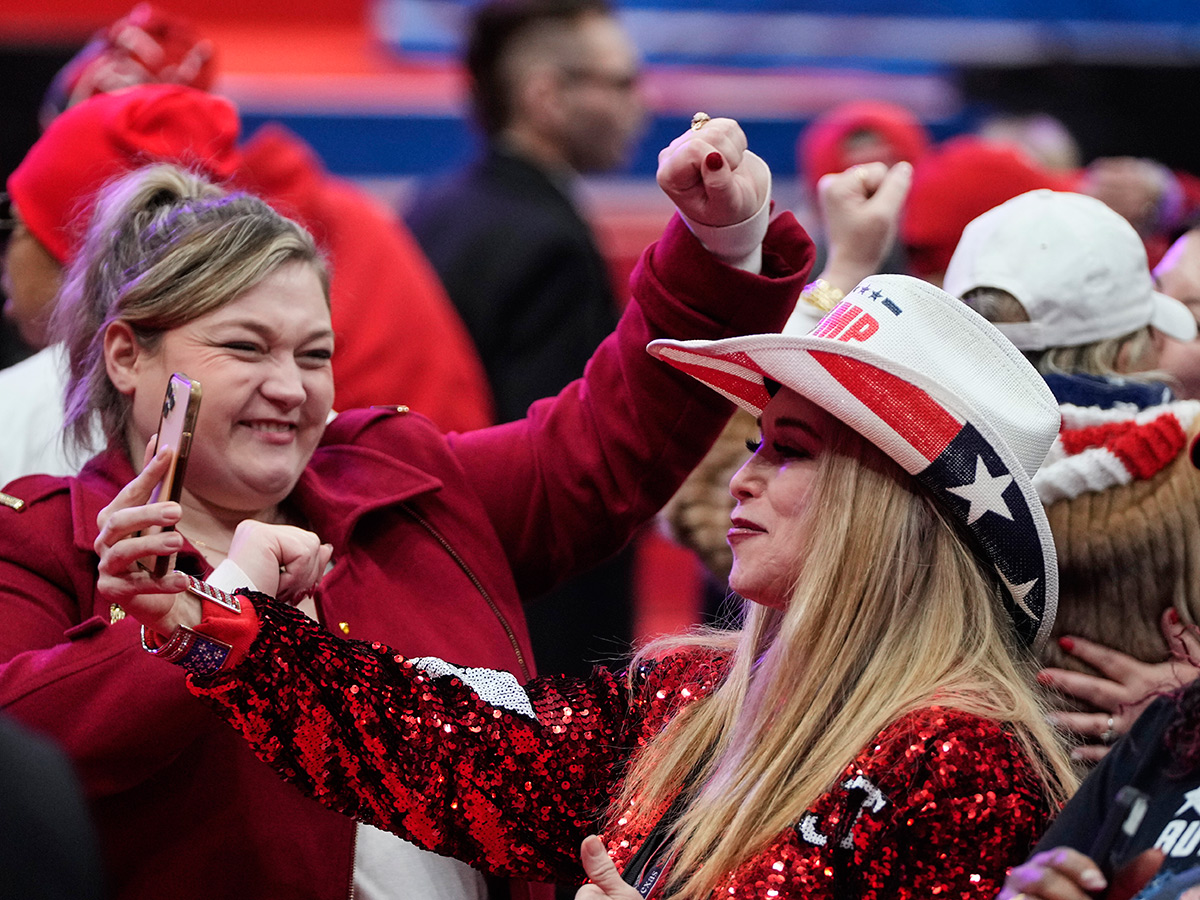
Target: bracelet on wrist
821,295
195,652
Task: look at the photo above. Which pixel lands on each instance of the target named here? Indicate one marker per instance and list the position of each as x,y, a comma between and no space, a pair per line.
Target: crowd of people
942,454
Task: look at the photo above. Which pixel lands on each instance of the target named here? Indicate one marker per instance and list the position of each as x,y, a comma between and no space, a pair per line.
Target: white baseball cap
1077,267
936,387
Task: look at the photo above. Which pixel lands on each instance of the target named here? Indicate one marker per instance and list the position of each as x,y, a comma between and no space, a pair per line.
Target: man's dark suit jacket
522,266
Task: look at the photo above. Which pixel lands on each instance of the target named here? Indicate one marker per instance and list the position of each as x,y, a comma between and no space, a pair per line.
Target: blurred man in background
554,86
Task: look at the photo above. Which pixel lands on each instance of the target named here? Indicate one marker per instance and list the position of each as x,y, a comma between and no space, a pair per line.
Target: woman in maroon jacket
436,541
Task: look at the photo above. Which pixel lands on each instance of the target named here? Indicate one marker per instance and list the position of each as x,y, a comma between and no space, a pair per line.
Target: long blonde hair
891,612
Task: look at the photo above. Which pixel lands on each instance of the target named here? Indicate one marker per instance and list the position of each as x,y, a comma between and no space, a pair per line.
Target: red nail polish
1044,678
1066,643
714,161
1173,616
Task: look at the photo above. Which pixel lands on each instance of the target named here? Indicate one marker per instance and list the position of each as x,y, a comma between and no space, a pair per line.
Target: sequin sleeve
464,762
967,810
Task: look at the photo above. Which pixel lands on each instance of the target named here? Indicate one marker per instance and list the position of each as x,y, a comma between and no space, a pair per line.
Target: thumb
599,867
893,188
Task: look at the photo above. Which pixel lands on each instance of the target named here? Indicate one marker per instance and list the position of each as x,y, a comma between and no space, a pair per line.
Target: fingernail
1173,616
714,161
1044,678
1076,755
1066,643
1092,879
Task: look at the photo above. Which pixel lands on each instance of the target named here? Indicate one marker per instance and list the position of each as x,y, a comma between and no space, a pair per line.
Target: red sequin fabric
511,778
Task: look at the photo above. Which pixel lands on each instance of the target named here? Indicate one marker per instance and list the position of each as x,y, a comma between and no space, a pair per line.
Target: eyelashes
783,451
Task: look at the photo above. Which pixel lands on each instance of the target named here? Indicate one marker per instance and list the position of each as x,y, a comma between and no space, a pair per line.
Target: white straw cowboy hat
937,388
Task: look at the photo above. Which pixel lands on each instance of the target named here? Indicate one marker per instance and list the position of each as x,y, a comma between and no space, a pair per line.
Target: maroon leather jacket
437,540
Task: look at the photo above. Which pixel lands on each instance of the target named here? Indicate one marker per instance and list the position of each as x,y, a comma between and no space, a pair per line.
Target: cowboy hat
937,388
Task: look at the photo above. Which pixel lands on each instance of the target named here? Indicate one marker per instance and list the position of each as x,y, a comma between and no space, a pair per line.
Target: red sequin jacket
468,763
437,540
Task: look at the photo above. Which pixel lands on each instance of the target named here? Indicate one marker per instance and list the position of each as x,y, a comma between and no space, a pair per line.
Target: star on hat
1019,592
984,493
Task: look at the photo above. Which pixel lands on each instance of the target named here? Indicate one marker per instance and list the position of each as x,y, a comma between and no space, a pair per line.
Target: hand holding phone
181,406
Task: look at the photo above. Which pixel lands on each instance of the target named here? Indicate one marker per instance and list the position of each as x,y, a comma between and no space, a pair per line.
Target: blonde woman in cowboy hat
870,732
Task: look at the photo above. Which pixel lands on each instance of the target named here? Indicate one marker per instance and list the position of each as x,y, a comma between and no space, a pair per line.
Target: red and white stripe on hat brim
895,414
904,413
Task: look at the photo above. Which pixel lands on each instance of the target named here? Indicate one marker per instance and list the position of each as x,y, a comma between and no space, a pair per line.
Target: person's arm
567,486
861,209
464,762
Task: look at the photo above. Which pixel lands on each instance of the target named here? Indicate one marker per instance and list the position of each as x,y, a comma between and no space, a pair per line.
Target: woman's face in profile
263,363
772,491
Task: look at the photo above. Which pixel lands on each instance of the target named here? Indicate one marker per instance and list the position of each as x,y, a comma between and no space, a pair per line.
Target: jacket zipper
437,535
353,859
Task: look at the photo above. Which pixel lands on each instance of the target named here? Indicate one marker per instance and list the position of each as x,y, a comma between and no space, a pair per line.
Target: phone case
181,406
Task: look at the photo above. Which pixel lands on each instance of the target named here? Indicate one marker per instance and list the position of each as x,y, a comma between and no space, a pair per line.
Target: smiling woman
264,361
417,538
183,250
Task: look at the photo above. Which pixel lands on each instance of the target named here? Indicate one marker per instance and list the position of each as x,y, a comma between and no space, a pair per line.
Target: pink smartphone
181,405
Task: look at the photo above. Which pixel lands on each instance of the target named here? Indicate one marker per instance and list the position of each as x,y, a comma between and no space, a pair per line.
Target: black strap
647,865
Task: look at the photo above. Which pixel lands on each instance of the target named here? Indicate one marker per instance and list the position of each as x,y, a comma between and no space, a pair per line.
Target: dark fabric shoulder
1141,750
50,849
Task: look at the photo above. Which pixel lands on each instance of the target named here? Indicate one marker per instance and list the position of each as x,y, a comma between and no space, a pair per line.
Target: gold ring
699,120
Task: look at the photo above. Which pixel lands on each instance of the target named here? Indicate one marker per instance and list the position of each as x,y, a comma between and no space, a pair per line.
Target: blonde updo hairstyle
163,248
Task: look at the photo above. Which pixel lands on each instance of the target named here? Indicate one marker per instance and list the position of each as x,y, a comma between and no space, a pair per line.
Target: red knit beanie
108,135
822,147
952,185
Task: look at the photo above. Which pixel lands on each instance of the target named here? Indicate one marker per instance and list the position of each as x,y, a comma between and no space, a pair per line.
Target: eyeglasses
8,221
624,82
